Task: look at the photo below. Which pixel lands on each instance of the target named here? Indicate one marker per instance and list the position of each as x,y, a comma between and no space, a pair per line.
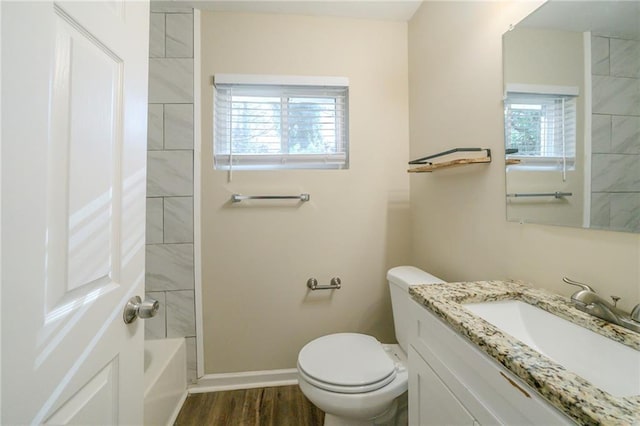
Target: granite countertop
570,393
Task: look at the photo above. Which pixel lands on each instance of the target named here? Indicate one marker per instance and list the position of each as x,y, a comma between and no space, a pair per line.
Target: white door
74,100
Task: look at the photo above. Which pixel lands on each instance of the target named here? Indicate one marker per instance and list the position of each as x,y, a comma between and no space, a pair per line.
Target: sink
607,364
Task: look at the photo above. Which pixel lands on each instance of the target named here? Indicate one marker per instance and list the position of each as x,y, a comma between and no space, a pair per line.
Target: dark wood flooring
276,406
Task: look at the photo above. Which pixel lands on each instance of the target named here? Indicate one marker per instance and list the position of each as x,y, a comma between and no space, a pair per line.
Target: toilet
355,379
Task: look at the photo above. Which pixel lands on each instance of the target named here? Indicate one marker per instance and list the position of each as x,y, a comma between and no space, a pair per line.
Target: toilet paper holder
335,284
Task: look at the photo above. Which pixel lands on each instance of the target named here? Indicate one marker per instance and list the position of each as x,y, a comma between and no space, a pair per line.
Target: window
540,129
280,123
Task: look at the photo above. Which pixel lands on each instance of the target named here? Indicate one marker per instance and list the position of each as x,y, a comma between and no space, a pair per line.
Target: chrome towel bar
236,198
556,194
336,283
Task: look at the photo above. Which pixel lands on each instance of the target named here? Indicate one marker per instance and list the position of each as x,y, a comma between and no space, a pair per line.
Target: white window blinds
541,128
260,124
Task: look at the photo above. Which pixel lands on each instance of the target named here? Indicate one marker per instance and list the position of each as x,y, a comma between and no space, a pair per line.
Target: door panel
95,400
73,192
85,143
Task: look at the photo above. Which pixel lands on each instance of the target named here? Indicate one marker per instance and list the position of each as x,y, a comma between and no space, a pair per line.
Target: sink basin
607,364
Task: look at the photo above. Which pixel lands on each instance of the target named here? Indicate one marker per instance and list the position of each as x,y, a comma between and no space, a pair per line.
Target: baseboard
174,415
245,380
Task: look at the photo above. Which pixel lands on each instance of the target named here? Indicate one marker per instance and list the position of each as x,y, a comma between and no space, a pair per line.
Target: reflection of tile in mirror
600,55
625,135
625,58
615,173
625,212
616,95
600,210
601,133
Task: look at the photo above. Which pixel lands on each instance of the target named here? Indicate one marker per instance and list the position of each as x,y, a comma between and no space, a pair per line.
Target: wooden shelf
428,167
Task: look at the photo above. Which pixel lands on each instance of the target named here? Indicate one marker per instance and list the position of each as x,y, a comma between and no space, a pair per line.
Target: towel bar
556,194
236,198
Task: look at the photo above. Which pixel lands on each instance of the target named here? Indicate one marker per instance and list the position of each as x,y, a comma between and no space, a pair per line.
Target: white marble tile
154,223
155,127
169,173
178,126
625,134
615,173
600,55
178,220
170,80
601,133
181,318
625,212
625,58
156,327
169,267
616,95
156,35
161,7
179,35
192,362
600,206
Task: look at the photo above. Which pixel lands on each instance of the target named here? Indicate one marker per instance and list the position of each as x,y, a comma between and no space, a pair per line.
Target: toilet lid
353,361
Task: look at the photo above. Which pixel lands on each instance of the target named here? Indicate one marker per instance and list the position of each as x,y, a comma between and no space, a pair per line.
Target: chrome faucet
588,301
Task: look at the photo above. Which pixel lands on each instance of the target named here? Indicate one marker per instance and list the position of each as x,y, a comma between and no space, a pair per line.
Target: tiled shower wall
169,265
615,174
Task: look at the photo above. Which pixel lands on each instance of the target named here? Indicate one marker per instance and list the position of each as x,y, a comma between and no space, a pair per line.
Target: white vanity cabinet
452,382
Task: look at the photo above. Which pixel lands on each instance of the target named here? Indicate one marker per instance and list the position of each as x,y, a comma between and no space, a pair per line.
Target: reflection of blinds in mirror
541,126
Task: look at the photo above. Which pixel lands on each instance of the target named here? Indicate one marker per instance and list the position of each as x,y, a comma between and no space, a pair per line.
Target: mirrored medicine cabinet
572,115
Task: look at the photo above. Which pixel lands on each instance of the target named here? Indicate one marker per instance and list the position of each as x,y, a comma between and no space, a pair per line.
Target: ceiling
392,10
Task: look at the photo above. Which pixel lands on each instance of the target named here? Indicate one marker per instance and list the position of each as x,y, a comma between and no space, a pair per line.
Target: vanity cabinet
430,399
452,382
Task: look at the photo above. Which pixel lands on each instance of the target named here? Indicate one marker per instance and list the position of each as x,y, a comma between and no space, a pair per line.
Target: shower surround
169,250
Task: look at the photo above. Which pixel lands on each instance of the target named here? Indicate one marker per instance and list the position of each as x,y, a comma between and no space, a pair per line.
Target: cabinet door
430,400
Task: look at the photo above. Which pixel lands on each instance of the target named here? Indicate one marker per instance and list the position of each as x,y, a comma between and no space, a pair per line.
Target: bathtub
165,380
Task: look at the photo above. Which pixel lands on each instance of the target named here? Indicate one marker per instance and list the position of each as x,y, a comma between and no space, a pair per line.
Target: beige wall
258,256
550,58
459,231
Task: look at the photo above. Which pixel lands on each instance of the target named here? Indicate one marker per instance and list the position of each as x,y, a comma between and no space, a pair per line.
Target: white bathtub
165,380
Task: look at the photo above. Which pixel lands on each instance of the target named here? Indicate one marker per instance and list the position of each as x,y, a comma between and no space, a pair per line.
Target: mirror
572,115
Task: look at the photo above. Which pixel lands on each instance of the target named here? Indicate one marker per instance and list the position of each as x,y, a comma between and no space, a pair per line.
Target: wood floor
276,406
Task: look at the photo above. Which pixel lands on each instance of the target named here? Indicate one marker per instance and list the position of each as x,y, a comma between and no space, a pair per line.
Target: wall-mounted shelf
428,166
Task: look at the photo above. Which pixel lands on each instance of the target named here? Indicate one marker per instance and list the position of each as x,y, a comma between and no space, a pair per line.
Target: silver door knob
136,308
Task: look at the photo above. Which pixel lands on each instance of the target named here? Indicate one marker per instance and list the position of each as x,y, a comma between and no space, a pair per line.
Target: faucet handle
635,313
576,283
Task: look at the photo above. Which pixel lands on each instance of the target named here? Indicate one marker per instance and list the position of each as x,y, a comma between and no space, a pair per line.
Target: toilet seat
346,363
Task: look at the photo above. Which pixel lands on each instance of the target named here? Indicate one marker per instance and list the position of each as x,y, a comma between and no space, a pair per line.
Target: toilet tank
400,278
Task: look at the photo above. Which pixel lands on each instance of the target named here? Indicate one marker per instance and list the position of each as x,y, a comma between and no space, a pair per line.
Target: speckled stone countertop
571,394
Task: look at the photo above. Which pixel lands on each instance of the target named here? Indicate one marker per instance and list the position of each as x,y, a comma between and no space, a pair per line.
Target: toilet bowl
355,379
